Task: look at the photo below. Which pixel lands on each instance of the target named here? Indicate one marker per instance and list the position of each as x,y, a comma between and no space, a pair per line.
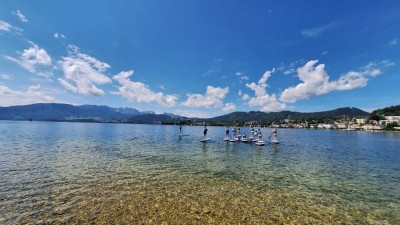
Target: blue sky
201,58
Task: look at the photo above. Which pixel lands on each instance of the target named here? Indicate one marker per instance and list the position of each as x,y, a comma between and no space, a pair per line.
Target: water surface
121,173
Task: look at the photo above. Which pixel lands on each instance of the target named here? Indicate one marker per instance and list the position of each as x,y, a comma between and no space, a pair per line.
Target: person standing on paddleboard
259,134
227,132
275,133
234,132
205,131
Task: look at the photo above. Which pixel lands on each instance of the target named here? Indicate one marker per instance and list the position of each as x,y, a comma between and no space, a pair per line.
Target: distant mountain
275,116
66,112
94,113
388,111
154,118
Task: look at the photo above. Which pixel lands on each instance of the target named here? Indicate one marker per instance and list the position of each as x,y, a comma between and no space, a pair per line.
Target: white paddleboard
205,139
274,142
260,143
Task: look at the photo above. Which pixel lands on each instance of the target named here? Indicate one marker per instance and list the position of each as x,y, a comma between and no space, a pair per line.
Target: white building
330,126
361,121
372,127
342,126
391,119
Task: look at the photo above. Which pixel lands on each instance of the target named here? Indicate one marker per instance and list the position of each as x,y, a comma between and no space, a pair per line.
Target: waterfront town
345,124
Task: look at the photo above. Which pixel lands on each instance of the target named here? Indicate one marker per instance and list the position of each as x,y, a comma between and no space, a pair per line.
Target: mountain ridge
95,113
291,115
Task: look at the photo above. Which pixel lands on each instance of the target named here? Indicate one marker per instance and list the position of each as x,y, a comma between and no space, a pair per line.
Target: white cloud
289,71
240,92
83,72
5,76
4,26
229,107
34,94
20,16
387,63
242,76
317,31
267,102
59,35
193,113
394,42
140,92
245,97
213,70
211,99
35,60
315,81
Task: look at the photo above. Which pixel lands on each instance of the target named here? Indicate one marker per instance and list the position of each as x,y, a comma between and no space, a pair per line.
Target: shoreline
292,128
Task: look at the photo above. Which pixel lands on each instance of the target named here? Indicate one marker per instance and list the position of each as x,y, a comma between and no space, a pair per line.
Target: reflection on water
119,173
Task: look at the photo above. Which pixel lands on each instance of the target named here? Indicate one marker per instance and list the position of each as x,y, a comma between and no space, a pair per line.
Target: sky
201,58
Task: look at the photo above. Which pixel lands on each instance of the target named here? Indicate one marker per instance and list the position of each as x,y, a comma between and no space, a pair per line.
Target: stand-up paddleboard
205,140
274,142
260,143
234,140
183,135
245,140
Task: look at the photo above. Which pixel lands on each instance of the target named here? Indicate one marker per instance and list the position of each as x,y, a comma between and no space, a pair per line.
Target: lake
88,173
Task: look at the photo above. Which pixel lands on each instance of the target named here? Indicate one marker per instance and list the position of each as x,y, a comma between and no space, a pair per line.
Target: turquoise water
54,172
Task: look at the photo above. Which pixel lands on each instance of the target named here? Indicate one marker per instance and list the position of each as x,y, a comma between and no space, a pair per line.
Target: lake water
87,173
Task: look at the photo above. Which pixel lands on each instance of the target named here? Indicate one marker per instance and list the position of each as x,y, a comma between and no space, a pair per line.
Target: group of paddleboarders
255,134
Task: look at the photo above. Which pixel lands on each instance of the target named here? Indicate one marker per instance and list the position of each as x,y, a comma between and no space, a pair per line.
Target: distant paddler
275,133
259,134
227,132
234,132
205,131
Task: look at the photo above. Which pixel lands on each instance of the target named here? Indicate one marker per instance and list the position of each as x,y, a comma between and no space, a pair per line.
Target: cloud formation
34,94
193,113
35,60
245,97
242,76
59,35
394,42
315,81
140,92
5,76
4,26
229,107
83,72
20,16
211,99
267,102
317,31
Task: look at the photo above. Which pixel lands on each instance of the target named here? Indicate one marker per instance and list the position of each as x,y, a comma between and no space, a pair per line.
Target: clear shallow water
122,173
